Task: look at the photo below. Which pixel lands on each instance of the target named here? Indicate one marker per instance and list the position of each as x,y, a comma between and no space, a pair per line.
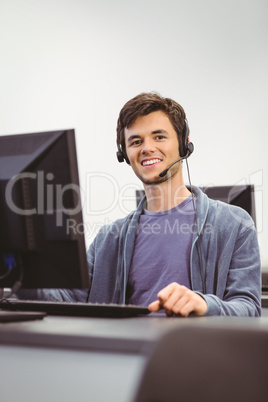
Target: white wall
74,63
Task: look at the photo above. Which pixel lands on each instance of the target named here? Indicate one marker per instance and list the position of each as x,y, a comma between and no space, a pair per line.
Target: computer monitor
240,195
41,238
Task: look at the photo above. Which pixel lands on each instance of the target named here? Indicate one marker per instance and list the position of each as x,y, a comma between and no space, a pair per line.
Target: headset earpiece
187,147
190,148
121,154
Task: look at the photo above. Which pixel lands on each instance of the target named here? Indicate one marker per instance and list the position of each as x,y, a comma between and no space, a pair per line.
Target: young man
151,144
179,251
210,264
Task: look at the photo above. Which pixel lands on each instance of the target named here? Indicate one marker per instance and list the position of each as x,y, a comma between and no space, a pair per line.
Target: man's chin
153,181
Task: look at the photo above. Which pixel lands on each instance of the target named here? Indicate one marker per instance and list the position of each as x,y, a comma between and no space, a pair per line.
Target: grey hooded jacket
224,261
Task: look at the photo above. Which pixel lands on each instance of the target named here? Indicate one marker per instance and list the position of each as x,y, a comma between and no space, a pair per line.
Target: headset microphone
190,149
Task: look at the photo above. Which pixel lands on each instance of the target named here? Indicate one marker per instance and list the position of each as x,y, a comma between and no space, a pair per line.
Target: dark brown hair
142,105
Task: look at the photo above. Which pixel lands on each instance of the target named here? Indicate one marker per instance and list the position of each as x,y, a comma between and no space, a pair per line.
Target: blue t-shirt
162,252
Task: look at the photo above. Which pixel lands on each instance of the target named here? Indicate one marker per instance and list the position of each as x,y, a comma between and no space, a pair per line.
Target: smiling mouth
150,162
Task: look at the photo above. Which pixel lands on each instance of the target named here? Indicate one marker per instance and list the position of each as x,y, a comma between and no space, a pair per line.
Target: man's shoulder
228,214
221,213
114,229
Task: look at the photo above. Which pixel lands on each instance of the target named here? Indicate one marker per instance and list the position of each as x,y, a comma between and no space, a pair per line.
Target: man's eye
136,142
160,137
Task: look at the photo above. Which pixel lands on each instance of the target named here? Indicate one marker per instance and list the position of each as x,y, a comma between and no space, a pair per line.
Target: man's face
152,146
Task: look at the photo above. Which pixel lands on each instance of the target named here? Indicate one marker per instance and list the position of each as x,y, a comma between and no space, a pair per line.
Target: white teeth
145,163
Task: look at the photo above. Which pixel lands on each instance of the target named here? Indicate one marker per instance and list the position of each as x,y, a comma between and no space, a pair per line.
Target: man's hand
177,299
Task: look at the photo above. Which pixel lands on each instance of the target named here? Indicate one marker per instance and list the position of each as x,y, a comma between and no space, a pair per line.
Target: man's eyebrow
158,131
132,137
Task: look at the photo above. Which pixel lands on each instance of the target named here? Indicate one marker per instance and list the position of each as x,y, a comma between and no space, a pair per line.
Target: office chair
198,364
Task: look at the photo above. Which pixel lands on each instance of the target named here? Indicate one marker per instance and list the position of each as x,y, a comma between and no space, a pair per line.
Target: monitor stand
13,316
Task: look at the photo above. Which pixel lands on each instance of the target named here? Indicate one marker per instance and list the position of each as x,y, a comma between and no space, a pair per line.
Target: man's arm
241,293
179,300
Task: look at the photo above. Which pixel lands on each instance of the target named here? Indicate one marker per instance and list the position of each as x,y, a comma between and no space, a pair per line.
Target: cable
203,272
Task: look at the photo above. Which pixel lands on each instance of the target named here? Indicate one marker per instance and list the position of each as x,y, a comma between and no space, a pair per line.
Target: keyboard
75,309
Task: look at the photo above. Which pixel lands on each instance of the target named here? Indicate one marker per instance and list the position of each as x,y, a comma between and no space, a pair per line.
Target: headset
186,148
121,153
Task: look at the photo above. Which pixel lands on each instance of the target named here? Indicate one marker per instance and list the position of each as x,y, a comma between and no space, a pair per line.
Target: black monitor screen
40,211
241,196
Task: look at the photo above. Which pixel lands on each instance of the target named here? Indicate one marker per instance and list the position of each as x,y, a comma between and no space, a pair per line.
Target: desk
86,359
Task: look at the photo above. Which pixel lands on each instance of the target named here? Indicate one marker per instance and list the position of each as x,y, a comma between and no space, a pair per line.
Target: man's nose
148,146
